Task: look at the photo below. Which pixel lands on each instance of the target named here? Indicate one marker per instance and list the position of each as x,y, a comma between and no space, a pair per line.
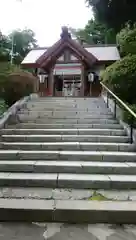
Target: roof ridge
84,46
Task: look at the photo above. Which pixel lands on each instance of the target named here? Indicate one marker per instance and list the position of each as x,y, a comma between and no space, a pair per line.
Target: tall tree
95,33
114,13
23,42
4,47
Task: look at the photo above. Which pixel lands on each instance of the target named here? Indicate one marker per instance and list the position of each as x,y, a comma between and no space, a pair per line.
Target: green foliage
16,85
23,41
98,197
95,33
3,107
14,82
114,13
126,40
127,117
121,77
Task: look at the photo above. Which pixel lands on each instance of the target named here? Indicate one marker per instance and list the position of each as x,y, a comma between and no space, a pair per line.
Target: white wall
61,58
73,58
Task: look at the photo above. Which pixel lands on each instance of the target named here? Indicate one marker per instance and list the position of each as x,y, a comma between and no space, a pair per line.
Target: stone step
65,138
71,211
53,105
67,194
60,146
68,155
60,126
68,167
64,113
105,132
67,211
70,121
68,101
23,117
66,108
68,180
96,181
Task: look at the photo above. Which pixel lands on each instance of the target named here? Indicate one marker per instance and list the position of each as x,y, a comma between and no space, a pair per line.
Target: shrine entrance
67,86
71,87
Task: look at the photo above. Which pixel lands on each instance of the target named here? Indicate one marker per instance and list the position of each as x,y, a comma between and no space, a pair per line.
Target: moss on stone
98,197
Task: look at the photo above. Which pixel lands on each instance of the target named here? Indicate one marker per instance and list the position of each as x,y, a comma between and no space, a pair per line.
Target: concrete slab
61,231
28,179
67,125
68,167
123,181
41,145
17,166
85,180
26,210
105,132
23,117
67,211
98,156
106,212
84,146
66,194
31,138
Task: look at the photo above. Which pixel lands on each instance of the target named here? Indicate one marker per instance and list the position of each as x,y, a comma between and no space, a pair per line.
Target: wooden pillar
85,82
51,82
36,84
82,92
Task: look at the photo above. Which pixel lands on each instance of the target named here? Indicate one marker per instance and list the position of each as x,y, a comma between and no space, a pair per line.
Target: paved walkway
56,231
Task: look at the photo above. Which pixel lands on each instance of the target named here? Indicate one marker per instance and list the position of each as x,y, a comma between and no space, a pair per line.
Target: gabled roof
33,56
105,53
43,57
57,49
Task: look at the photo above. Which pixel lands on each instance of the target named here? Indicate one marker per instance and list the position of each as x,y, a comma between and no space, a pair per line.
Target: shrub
121,78
16,85
127,117
3,107
126,40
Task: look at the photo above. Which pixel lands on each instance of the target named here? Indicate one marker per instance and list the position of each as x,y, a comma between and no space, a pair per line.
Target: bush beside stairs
61,158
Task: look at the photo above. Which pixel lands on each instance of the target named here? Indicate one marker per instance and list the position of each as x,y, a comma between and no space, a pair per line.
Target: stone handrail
12,111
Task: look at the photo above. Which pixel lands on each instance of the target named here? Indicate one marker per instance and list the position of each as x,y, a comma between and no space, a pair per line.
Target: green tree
95,33
126,40
114,13
4,47
23,42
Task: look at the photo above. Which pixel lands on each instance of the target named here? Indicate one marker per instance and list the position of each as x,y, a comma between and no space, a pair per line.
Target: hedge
121,78
16,85
126,40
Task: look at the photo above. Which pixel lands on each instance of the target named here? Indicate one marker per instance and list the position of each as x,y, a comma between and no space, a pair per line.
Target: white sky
44,17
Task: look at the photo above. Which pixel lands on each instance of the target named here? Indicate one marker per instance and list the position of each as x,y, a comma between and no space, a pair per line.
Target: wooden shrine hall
63,69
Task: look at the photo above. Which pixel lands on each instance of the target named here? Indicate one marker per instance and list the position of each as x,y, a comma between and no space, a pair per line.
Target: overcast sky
44,17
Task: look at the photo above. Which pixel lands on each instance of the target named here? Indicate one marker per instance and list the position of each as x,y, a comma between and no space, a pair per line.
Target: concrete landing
60,231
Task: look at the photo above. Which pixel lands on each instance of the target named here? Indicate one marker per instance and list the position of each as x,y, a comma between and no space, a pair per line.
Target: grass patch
98,197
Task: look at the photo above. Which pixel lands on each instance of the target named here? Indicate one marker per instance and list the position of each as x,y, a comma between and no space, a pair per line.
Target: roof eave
30,65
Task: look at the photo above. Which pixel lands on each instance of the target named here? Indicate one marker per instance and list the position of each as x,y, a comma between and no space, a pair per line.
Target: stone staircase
63,154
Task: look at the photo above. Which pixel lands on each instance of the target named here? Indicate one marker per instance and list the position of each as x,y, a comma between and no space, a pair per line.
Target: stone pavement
67,194
59,231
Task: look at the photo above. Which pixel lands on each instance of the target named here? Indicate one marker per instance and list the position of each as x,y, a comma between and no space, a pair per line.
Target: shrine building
63,69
